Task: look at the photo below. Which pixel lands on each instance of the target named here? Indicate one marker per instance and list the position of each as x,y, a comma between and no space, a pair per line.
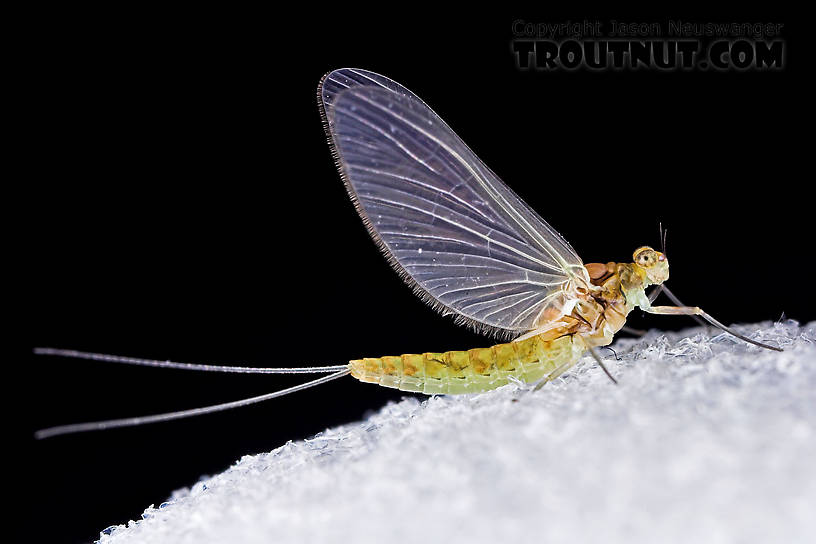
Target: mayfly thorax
467,245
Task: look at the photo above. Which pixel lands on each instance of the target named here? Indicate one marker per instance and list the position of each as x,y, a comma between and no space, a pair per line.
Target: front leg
694,310
675,310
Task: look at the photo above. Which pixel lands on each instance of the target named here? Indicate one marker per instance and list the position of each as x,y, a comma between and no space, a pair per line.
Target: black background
179,202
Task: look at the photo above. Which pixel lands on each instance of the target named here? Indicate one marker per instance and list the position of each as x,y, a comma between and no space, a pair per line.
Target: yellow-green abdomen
481,369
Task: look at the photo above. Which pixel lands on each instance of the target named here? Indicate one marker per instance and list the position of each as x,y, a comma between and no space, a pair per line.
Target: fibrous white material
706,439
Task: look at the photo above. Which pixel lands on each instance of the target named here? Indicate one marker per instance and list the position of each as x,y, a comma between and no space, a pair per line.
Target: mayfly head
653,264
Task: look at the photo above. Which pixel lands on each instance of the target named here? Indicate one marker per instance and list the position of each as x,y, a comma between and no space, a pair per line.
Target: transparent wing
447,224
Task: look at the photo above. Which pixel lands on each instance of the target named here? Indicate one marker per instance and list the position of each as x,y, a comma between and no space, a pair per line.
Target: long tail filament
335,372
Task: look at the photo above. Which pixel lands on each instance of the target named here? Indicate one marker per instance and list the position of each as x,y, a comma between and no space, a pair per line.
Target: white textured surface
705,440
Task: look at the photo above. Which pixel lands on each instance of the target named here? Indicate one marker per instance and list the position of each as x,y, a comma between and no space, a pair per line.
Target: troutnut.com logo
673,45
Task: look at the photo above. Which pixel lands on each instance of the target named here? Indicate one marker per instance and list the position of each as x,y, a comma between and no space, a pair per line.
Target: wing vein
466,242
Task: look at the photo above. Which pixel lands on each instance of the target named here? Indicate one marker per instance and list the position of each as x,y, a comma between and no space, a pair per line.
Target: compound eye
646,258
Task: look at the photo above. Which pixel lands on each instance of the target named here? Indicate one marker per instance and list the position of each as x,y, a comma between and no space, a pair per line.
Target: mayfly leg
633,331
655,292
677,302
663,289
566,366
695,311
601,364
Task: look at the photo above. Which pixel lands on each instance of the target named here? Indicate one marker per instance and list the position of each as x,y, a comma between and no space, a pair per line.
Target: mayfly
467,245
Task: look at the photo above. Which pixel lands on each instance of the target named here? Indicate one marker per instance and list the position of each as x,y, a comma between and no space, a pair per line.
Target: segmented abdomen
475,370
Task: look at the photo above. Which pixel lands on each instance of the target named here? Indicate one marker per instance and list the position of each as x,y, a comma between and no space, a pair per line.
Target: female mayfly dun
467,245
